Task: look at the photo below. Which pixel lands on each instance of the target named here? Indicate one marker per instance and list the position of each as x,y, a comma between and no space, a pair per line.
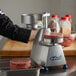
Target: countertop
16,48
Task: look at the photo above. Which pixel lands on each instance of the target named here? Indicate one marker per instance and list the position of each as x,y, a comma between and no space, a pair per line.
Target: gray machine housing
45,55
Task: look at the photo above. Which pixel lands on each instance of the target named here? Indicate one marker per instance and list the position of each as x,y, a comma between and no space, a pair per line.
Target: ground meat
20,63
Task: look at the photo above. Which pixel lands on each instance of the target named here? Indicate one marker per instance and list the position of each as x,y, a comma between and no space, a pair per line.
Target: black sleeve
14,32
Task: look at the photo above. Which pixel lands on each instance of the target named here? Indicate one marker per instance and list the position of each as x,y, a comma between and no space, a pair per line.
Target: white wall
14,8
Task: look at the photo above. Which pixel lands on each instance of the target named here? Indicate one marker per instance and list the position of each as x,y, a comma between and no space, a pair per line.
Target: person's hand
33,34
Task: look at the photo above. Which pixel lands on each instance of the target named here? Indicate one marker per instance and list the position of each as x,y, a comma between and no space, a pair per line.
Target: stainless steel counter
59,73
33,72
53,71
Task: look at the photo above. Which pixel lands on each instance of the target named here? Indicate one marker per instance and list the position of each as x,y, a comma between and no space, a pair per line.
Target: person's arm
14,32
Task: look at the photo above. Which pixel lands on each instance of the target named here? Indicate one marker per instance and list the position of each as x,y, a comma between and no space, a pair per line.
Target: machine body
45,54
46,49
